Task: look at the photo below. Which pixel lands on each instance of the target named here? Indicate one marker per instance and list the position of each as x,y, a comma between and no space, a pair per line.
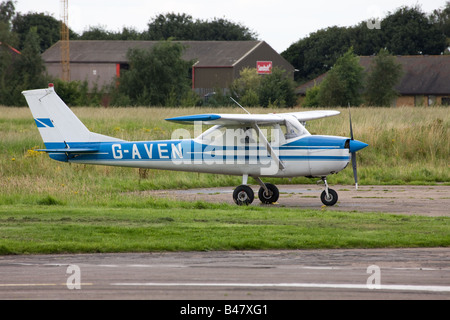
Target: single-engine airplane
247,145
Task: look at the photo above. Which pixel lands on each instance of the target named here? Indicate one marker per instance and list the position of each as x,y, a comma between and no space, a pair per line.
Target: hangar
217,64
424,81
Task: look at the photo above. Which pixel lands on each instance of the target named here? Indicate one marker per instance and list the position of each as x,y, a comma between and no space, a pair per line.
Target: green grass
199,226
48,206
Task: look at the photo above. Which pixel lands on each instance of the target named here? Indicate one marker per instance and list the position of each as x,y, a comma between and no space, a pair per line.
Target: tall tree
184,27
7,11
171,25
441,19
30,65
222,30
245,88
276,89
317,53
384,74
408,31
47,28
22,71
100,33
7,37
343,83
156,77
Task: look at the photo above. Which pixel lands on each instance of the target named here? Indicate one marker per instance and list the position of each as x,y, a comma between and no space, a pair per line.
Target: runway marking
292,285
39,284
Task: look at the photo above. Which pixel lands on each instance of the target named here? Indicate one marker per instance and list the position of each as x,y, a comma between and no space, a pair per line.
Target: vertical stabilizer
57,124
55,121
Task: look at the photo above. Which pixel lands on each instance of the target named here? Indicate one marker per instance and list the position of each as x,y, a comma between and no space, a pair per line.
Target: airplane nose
356,145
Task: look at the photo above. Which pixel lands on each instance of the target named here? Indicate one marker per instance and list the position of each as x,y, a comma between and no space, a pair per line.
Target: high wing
313,115
254,120
246,119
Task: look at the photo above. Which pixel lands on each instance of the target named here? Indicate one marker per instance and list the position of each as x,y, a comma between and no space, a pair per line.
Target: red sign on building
264,67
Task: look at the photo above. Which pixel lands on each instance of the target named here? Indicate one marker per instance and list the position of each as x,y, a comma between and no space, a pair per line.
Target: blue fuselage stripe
169,150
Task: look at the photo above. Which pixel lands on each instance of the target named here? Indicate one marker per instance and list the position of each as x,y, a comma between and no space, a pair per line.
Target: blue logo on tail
44,123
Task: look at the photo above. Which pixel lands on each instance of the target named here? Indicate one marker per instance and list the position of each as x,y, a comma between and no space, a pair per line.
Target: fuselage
310,155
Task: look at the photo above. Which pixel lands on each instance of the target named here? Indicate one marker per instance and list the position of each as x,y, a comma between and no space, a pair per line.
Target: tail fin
57,124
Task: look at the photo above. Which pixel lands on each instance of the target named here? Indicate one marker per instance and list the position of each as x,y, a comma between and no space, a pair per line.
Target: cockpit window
294,129
276,134
230,135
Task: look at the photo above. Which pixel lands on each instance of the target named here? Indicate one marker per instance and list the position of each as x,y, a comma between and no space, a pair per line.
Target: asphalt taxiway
416,200
406,273
236,275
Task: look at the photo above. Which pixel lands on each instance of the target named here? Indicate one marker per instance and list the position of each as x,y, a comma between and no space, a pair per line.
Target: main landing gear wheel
270,197
243,195
331,199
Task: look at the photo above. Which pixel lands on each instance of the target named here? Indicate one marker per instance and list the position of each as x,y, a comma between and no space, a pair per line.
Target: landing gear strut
329,197
268,193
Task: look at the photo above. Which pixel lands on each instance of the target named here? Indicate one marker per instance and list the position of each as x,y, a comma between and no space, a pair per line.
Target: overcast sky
278,22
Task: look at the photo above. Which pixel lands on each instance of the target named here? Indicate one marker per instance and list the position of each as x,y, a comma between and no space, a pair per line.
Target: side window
274,133
248,136
294,129
214,135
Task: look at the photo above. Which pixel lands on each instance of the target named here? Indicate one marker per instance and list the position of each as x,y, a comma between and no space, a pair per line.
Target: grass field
199,226
48,206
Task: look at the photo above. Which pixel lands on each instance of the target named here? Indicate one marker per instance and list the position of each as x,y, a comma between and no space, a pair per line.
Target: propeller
353,146
355,170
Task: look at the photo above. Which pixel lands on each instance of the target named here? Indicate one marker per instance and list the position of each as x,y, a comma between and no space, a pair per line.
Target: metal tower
65,48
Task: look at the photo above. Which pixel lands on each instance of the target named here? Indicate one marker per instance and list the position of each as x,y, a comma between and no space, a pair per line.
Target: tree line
408,30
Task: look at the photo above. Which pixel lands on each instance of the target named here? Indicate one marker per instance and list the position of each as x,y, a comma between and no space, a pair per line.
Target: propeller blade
355,172
350,117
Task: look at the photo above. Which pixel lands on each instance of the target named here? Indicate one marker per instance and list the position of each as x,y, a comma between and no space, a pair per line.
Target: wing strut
239,105
272,152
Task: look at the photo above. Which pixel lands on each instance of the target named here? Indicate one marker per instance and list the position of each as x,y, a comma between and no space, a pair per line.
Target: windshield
276,134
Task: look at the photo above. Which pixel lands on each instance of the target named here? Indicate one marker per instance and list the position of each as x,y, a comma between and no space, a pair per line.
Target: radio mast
65,48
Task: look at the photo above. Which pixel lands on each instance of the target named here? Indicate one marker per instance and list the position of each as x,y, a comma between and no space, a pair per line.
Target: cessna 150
248,145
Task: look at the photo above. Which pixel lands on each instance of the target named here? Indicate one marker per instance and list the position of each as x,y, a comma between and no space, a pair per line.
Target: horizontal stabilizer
69,150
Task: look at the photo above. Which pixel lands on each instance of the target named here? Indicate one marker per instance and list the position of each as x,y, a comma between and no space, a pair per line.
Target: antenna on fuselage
239,105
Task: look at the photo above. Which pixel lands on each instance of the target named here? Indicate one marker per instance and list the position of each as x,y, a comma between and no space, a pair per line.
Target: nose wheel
329,197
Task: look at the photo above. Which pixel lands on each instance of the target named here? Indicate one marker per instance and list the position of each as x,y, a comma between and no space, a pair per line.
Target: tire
273,195
331,201
243,195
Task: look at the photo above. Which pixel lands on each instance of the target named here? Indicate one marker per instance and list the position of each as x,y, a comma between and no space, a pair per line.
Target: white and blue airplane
247,145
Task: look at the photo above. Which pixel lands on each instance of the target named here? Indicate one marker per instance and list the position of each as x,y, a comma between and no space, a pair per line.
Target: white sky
278,22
